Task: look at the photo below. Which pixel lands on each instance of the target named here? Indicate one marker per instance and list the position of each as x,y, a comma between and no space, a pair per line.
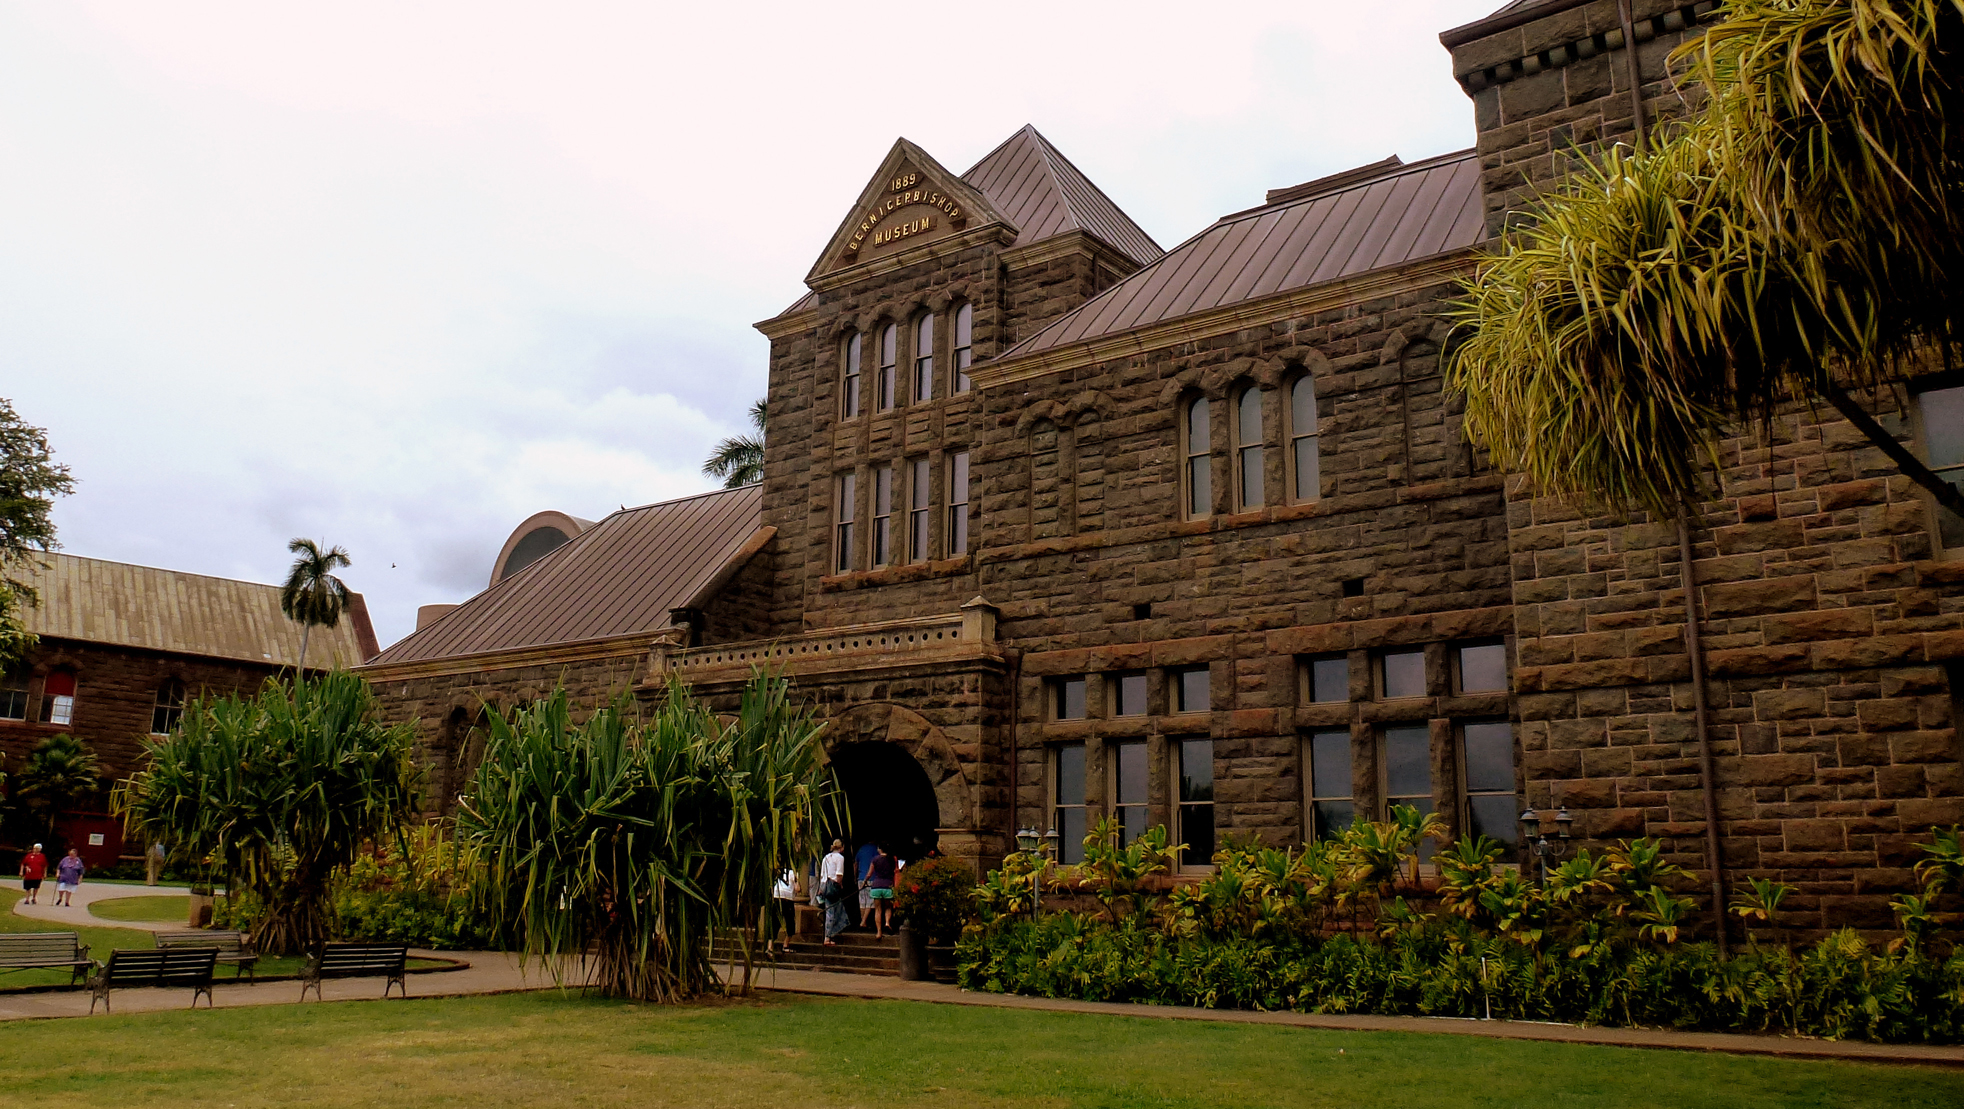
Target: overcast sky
398,275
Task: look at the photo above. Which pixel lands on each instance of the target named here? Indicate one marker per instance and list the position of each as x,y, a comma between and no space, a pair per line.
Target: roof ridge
1049,151
1344,186
156,569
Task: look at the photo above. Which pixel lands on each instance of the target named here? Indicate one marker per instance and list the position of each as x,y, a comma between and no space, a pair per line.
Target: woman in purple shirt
68,875
879,882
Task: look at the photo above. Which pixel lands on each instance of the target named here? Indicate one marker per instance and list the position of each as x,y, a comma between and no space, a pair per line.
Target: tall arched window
924,359
849,395
168,709
1198,475
1305,474
964,346
1248,447
889,353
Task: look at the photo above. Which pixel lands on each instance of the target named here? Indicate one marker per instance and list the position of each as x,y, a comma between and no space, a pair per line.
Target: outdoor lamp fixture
1028,839
1535,833
1032,842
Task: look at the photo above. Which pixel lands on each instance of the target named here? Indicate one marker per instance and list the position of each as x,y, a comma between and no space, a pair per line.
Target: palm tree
312,596
1792,244
739,460
57,773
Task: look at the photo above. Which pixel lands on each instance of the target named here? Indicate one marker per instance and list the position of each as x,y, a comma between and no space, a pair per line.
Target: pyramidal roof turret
1039,191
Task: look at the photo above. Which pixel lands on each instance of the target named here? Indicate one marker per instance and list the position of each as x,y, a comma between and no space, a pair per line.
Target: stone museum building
1057,525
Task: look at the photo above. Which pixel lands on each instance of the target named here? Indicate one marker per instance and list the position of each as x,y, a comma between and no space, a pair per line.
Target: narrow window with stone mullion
1195,815
849,392
1197,471
958,504
844,509
1130,783
1487,756
13,696
1248,447
882,516
924,359
1480,668
1401,674
1305,463
964,351
168,708
889,356
919,514
1331,800
1067,701
1192,690
1940,426
1128,694
1067,812
1328,679
1407,762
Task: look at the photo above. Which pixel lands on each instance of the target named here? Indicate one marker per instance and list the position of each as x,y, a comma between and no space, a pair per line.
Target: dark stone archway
889,799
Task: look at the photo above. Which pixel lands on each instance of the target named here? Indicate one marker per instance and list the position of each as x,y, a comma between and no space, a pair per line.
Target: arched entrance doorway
888,798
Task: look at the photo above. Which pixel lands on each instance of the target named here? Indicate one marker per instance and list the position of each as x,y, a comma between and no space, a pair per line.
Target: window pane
1131,698
1329,679
1070,774
1200,486
1302,407
1197,770
1309,472
1332,817
1404,674
1408,764
958,504
1197,426
1130,777
1483,669
1070,699
1132,822
918,480
1251,477
1329,762
1197,832
1490,757
1071,831
964,325
1249,418
1943,425
1193,691
1497,815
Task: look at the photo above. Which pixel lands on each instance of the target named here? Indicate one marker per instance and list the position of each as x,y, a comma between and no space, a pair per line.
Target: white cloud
398,275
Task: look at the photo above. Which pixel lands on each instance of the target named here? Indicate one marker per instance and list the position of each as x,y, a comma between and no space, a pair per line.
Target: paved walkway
874,986
88,893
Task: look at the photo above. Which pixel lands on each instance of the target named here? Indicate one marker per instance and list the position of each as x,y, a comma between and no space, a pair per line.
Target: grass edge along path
553,1048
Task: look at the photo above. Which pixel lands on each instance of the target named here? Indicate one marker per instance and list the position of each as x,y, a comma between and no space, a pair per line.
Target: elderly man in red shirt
33,868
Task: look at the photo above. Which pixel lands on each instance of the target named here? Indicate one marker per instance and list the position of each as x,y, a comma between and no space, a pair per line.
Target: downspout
1695,648
1632,68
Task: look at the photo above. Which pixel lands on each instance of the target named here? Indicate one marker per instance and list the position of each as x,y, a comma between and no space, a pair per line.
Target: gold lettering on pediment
902,193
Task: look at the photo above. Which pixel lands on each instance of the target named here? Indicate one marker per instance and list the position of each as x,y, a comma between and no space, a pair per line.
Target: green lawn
559,1049
150,909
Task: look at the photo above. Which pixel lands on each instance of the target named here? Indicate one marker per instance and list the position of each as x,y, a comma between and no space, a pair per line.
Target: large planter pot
941,961
200,915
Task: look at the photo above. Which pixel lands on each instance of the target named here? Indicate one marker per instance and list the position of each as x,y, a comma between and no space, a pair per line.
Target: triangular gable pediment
913,201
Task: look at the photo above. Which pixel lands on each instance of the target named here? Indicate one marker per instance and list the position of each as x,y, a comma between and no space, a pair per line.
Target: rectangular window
924,359
1482,667
1067,802
1331,796
1130,781
964,346
844,510
918,515
1401,674
1199,463
1329,679
849,401
889,355
1492,806
882,516
1128,694
1067,699
168,708
13,697
1940,416
1408,767
58,698
1248,446
1191,691
1196,816
958,504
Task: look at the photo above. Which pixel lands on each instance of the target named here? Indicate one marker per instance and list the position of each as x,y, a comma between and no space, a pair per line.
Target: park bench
46,951
233,947
156,967
356,960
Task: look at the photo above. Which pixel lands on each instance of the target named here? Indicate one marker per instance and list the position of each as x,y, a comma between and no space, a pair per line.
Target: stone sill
895,575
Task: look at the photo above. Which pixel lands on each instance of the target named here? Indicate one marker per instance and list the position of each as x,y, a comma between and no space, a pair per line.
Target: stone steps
854,953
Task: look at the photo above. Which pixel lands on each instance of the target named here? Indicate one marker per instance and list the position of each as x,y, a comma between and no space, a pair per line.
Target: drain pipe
1632,67
1695,648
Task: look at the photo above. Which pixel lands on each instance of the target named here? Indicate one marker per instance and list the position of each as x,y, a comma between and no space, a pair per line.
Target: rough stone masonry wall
1828,632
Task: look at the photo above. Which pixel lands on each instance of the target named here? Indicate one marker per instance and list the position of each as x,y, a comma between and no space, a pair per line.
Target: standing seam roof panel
1237,268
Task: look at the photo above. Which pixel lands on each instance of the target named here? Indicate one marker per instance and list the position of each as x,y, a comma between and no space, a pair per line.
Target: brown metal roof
619,577
1406,213
115,603
1042,194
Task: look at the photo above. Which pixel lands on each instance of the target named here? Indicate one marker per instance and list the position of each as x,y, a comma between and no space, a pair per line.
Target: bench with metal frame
162,968
356,960
233,947
46,951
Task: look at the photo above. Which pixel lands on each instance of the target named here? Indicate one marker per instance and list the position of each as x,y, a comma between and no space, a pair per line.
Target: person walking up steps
832,890
880,879
68,875
33,868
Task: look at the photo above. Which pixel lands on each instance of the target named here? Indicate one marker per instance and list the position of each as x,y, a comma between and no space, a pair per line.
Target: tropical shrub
638,838
410,889
936,896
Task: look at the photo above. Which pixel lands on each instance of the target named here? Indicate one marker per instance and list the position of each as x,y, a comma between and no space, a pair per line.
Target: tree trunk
1851,410
306,632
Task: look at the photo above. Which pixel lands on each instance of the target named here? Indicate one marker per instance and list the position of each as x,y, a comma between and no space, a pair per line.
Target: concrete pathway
875,986
88,893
